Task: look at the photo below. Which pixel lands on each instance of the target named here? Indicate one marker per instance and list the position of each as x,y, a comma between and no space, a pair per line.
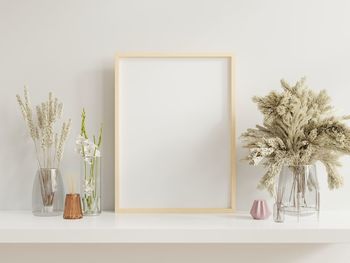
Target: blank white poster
174,128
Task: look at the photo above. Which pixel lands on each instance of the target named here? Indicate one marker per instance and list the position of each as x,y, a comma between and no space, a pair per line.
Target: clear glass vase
297,192
91,185
48,193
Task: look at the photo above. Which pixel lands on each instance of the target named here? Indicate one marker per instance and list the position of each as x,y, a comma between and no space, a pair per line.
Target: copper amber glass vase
72,207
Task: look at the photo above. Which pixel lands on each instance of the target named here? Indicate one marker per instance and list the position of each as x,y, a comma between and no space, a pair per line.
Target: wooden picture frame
136,94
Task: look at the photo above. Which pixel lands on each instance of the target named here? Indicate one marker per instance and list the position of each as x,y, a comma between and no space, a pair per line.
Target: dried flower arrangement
49,145
298,129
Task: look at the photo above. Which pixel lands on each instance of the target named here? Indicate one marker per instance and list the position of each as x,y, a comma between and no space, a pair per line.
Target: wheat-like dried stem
42,131
64,134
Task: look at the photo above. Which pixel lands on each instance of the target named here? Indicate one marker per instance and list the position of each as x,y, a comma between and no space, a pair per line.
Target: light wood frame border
231,75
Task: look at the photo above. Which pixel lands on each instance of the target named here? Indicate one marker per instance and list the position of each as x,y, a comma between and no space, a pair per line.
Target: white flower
80,140
88,188
88,159
89,149
86,148
79,144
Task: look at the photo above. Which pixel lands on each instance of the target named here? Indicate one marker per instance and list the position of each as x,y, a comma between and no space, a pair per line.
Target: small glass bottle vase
48,193
297,192
91,185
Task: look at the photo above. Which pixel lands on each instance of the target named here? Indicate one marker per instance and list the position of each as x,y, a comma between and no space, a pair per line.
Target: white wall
68,47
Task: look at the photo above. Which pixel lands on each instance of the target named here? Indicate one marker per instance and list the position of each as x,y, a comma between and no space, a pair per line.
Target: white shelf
23,227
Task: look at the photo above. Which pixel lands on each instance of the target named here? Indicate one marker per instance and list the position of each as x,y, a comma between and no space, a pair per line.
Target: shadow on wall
107,83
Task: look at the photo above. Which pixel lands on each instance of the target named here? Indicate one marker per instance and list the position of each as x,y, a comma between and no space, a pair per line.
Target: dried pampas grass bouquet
298,129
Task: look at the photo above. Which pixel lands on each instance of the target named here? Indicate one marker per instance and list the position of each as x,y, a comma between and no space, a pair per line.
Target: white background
68,47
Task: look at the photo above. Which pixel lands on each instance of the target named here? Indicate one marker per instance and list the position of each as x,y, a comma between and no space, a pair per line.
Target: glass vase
48,193
297,192
91,185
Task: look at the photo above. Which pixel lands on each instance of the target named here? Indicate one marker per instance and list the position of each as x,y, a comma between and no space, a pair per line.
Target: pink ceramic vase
260,210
